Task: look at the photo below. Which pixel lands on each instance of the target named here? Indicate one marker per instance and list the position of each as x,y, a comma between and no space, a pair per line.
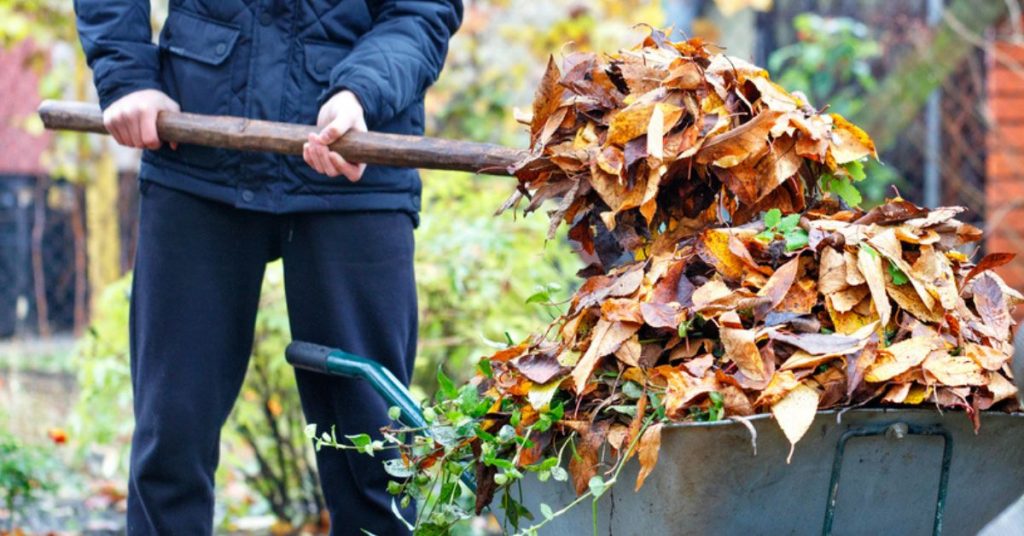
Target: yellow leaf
954,370
713,248
635,120
900,357
849,142
988,358
795,413
540,395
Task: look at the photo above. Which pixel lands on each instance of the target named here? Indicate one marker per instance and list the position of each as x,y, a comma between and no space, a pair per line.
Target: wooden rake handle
285,138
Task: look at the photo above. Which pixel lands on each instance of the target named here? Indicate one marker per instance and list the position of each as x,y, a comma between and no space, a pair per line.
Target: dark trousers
199,265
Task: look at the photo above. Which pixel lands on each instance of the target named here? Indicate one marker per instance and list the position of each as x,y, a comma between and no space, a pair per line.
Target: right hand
132,118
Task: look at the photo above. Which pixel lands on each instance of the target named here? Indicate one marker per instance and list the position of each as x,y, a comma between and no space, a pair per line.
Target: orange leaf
650,444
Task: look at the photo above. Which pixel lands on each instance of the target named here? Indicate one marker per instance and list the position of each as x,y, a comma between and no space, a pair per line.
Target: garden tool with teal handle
324,360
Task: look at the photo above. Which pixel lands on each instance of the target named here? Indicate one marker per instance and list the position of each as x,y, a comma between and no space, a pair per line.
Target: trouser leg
199,266
350,285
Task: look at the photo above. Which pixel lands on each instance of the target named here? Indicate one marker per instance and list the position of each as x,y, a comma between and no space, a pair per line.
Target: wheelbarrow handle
244,134
317,358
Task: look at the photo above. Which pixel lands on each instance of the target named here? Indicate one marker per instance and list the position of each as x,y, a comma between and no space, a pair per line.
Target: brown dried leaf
990,303
650,444
546,101
606,339
741,348
540,368
870,265
778,285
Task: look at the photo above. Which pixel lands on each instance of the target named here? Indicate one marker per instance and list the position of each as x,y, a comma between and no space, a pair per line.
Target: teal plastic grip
336,362
322,359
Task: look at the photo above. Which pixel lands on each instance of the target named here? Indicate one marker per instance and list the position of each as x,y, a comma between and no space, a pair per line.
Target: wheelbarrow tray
708,480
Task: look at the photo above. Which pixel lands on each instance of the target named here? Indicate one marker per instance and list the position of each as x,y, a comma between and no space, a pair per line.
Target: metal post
933,127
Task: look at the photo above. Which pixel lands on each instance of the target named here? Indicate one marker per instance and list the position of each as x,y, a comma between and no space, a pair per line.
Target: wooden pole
284,138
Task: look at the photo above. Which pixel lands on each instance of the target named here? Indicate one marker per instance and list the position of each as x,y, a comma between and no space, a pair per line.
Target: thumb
335,130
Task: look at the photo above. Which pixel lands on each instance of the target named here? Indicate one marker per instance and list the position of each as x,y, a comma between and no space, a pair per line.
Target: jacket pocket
197,69
319,59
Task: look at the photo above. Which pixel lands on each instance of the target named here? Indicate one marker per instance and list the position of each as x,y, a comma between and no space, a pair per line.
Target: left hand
338,115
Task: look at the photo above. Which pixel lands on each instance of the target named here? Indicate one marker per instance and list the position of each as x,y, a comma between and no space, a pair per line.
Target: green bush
25,472
475,272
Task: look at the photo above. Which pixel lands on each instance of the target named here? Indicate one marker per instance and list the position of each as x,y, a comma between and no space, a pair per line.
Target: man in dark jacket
211,219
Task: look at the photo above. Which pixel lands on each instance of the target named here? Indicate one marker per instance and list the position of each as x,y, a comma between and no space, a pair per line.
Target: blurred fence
940,157
44,285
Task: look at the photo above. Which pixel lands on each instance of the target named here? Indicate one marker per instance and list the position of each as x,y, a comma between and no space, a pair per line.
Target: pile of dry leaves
727,274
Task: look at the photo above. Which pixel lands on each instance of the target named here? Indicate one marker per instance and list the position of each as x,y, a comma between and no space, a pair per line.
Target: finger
134,127
325,116
307,155
113,129
330,169
352,172
318,158
335,130
124,135
147,130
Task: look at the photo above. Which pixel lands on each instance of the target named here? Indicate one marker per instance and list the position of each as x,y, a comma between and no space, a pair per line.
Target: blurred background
939,84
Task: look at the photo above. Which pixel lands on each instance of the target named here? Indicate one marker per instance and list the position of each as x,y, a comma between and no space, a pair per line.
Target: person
211,219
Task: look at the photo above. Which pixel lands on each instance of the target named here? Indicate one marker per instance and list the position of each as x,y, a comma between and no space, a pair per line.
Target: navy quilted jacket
277,60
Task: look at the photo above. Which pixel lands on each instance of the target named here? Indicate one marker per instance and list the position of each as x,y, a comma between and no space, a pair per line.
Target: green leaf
485,368
625,409
597,485
871,251
856,171
684,329
446,385
632,389
796,239
546,511
360,440
788,223
539,297
394,413
559,474
897,275
843,188
771,218
716,398
397,468
310,431
765,236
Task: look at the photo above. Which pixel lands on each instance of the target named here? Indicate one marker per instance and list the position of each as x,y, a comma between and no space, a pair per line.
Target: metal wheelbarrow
862,471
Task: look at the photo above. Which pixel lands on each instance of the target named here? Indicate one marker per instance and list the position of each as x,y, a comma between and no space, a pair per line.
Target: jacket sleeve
392,65
118,42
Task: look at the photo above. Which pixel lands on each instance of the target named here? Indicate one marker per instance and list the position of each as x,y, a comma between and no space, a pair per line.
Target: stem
607,485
